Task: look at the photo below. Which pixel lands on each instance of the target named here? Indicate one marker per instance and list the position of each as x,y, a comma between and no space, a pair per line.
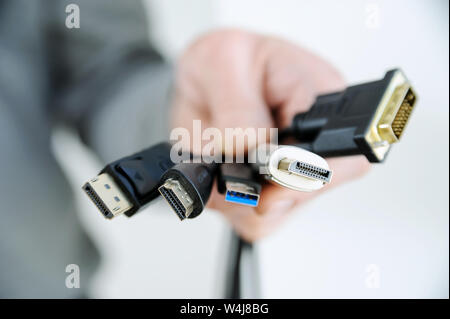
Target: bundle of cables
364,119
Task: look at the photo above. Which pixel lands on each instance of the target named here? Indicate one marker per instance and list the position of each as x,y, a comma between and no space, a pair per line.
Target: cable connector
363,119
239,184
130,183
305,169
107,196
187,186
177,197
292,167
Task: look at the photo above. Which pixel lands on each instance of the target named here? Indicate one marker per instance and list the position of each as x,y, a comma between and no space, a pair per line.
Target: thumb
235,100
226,78
242,117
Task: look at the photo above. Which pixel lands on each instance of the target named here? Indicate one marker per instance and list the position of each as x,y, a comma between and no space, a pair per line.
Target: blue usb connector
241,194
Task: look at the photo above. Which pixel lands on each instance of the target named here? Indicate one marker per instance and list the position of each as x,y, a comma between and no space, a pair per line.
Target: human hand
233,78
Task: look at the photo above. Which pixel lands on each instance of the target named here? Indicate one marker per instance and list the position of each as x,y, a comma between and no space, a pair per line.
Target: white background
395,218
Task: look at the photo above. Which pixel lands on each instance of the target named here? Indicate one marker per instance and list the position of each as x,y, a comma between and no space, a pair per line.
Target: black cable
130,183
233,284
236,284
362,119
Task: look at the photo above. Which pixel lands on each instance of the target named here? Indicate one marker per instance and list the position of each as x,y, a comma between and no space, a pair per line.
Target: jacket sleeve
107,80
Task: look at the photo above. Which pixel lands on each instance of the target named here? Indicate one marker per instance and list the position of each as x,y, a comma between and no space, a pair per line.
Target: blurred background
384,236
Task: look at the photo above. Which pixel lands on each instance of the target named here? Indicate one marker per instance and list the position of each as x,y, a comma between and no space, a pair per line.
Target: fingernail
281,206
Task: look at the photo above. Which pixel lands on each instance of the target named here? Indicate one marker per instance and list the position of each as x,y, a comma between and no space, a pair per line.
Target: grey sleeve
109,82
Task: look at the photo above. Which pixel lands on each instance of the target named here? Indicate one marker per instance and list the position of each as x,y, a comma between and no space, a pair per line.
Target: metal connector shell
305,170
396,113
241,193
107,196
364,119
276,167
177,197
391,115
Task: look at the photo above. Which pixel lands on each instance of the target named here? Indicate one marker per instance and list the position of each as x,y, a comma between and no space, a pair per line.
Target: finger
183,115
289,66
304,96
235,101
301,100
228,79
238,118
294,77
